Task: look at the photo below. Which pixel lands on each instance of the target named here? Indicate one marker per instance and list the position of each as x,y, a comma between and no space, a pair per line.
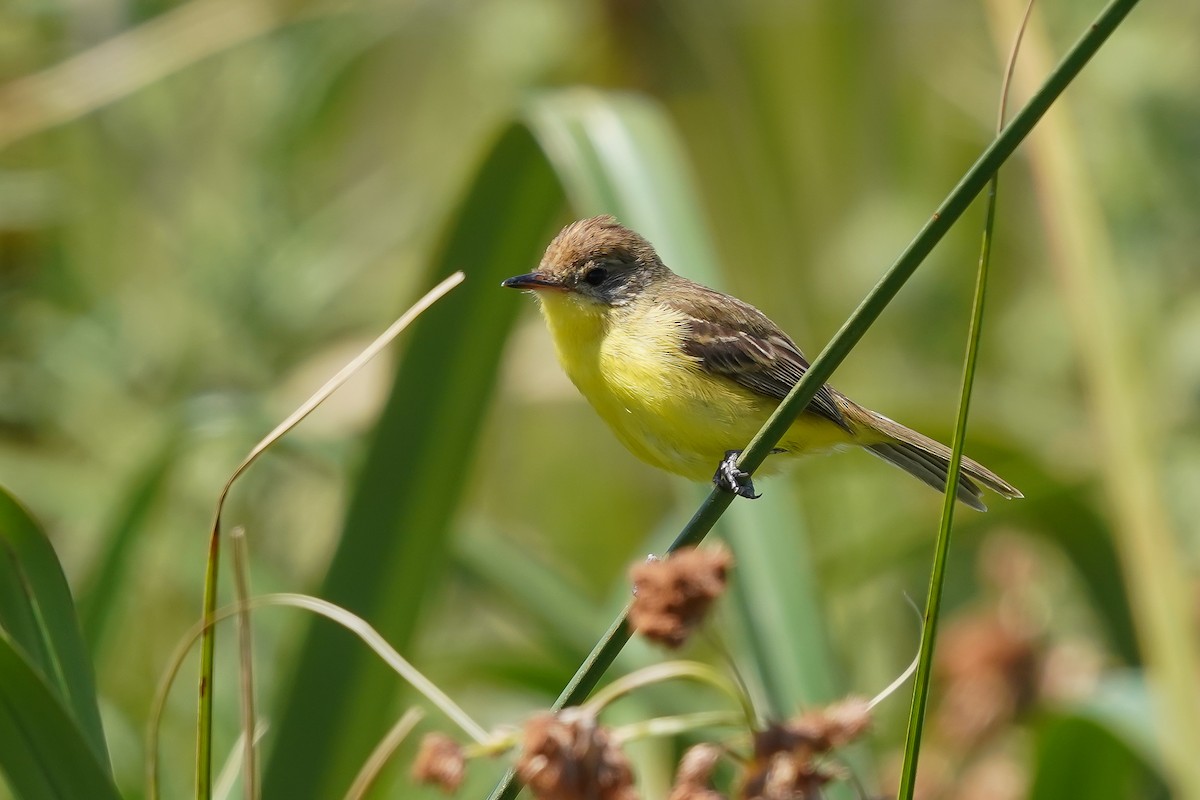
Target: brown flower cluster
788,759
568,756
993,663
989,668
439,762
695,771
672,596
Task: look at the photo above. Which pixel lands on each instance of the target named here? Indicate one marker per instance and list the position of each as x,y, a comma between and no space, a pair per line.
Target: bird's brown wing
737,341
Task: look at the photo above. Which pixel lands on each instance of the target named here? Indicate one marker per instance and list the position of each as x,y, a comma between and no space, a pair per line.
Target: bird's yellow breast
630,364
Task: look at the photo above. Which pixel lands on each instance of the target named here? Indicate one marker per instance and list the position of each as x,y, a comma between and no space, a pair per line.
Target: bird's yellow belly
667,410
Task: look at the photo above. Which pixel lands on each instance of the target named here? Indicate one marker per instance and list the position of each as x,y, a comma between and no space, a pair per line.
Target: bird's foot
731,478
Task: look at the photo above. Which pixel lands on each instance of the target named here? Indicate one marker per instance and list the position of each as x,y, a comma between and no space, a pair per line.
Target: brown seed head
695,771
568,756
784,776
439,762
672,596
989,669
834,726
787,756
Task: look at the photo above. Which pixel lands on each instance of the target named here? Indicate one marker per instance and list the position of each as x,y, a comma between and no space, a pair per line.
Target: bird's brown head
597,261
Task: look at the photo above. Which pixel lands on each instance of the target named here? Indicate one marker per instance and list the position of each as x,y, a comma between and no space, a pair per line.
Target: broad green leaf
393,549
1104,747
1087,538
45,753
1079,757
38,615
1122,704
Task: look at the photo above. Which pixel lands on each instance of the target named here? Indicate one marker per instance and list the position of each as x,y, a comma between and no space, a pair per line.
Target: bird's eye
595,276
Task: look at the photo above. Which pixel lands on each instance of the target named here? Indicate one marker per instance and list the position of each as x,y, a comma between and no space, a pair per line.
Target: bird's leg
731,478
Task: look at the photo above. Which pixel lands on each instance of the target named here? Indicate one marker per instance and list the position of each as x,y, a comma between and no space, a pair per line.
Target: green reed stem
937,578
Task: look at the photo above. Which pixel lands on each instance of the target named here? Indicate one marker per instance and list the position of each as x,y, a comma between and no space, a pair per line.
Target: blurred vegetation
207,207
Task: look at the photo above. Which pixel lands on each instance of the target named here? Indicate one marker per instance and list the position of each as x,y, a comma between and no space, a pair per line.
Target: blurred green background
207,207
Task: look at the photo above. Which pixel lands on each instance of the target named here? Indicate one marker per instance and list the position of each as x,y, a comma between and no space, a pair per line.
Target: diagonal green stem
972,183
943,218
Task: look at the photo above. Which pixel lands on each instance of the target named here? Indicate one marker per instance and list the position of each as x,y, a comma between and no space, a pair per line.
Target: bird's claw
730,478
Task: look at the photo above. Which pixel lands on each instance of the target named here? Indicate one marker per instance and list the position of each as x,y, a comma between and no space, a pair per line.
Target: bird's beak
532,280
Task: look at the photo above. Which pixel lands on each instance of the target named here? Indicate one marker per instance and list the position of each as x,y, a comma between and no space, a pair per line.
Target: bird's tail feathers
927,460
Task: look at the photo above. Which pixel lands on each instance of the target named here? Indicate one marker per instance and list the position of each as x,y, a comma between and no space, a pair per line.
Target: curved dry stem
669,670
208,646
241,587
896,684
348,620
677,724
137,58
344,374
383,752
234,763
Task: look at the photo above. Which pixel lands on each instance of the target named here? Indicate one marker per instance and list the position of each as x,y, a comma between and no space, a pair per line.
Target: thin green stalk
972,183
204,713
937,578
933,602
382,753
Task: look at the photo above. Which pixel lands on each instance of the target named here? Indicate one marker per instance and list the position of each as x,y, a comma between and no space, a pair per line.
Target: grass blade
44,750
384,751
354,626
937,578
38,616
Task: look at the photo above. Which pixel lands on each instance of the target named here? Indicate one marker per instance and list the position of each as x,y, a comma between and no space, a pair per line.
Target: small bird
685,375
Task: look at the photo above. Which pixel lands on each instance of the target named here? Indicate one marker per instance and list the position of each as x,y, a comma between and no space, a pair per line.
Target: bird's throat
577,326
